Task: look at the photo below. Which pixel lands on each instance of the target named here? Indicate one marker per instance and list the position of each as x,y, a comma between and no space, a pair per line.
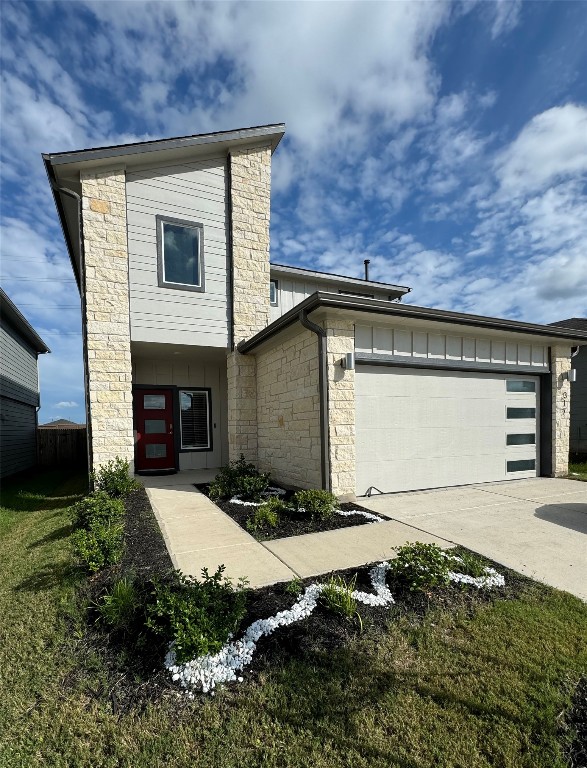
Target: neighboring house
62,424
578,432
20,347
324,381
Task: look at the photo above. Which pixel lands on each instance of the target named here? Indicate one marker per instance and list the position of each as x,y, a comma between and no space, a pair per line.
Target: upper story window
273,293
180,254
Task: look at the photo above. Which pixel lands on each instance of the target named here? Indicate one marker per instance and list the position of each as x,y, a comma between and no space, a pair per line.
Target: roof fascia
321,300
14,316
220,139
283,269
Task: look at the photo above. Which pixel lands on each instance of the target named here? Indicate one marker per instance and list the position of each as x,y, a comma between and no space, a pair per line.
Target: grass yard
484,686
578,471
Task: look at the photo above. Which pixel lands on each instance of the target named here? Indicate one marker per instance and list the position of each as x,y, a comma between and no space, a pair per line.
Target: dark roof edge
12,313
275,131
375,306
61,214
576,323
335,277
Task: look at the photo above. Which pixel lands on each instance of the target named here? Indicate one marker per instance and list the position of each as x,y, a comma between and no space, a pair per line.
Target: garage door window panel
519,385
521,439
521,413
521,465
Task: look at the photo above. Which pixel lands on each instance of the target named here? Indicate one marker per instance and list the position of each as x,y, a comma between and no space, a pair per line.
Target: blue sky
447,142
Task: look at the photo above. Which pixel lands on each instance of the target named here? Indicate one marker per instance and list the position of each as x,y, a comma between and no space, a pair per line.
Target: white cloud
506,16
66,404
550,148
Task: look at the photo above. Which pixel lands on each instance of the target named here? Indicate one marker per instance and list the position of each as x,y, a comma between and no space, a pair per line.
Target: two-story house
197,349
20,347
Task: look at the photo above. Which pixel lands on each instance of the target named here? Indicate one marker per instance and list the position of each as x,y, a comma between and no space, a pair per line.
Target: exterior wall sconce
348,361
570,375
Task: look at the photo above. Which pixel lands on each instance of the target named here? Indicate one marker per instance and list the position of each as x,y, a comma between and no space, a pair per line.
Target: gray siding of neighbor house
578,434
18,436
19,390
194,192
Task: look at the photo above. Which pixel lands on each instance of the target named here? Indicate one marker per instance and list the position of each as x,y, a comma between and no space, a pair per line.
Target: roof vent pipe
366,263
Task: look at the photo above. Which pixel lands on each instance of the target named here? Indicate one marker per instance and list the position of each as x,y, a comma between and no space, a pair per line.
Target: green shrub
337,596
241,479
122,606
467,563
197,616
98,507
315,503
420,566
100,545
294,587
266,515
113,478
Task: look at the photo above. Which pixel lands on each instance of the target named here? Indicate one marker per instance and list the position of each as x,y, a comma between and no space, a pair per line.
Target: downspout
323,390
230,249
82,291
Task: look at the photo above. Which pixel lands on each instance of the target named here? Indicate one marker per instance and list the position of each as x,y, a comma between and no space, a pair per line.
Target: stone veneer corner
109,373
340,339
561,409
250,170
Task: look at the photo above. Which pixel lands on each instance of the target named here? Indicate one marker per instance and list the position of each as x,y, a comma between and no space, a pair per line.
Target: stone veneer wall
341,408
107,315
250,192
288,411
561,409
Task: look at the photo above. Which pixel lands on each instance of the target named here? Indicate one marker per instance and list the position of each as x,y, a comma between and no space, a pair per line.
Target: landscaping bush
113,478
197,616
240,479
98,507
315,503
337,596
467,563
100,545
122,607
420,566
266,515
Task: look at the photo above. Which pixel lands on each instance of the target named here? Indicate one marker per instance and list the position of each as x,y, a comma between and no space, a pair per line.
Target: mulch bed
290,524
135,674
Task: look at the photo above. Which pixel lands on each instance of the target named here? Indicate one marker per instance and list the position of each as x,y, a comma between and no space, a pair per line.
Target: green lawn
486,688
579,470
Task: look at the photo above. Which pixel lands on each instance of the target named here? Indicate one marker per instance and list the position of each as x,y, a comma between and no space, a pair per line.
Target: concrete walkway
198,534
536,526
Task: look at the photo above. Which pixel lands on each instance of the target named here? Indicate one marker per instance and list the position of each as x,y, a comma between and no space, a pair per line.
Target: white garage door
428,429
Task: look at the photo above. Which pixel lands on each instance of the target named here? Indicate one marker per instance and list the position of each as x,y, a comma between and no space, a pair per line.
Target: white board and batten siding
194,192
290,293
185,373
410,346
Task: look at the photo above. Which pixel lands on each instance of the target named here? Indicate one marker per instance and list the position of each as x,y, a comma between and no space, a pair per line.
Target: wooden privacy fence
64,447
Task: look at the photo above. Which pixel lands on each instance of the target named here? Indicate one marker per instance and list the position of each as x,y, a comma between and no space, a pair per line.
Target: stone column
561,408
341,408
250,192
107,317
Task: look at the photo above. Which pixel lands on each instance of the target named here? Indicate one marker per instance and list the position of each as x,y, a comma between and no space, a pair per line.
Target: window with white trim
273,297
194,416
180,254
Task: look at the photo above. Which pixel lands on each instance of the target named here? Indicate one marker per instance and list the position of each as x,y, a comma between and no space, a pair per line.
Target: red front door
155,448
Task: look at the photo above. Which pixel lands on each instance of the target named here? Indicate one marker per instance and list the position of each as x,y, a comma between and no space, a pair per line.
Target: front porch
179,407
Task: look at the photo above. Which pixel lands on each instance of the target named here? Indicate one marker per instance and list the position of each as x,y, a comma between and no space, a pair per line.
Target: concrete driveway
537,526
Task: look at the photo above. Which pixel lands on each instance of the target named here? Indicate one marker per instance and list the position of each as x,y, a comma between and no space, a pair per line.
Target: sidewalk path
199,535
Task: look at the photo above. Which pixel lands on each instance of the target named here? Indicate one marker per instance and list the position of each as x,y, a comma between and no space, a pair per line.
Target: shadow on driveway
573,516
